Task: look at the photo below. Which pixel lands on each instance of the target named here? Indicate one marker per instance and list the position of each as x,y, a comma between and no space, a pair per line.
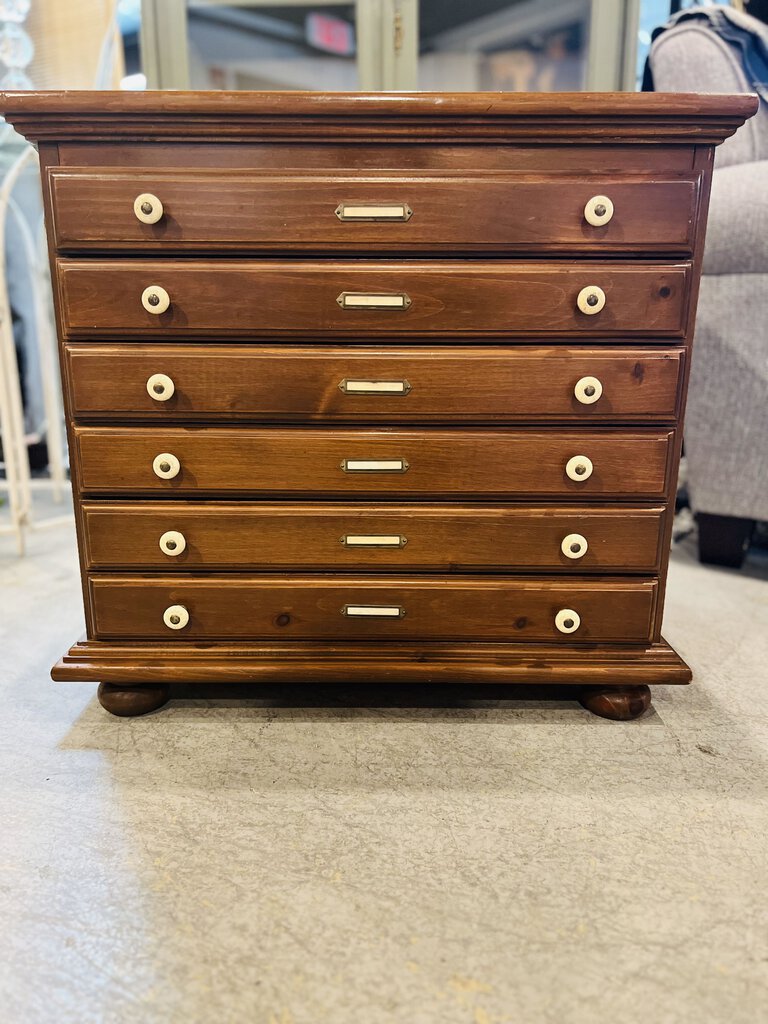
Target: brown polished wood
305,384
130,701
619,703
318,117
365,662
370,538
267,348
418,463
454,298
363,608
438,156
206,211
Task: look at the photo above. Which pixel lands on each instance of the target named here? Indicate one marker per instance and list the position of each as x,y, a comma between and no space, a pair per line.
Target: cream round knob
588,390
579,468
148,208
160,387
166,466
591,299
598,211
155,299
567,620
173,543
176,617
574,546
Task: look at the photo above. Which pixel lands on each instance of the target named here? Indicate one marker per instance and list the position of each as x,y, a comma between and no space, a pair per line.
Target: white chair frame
18,483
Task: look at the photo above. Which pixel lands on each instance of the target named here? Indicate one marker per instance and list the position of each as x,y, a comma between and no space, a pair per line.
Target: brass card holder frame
373,540
373,611
374,387
375,465
383,212
374,300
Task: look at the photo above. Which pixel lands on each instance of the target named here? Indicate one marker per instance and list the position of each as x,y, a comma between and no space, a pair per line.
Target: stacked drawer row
373,406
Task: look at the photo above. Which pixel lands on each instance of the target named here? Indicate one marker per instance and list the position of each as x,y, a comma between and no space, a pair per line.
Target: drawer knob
579,468
574,546
588,390
567,620
591,299
161,387
148,208
155,299
176,617
166,466
173,543
598,211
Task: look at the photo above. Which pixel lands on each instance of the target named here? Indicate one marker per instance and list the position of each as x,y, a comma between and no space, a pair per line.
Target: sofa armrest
737,230
693,58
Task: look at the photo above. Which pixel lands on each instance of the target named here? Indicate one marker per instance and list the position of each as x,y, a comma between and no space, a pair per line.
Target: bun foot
621,703
129,701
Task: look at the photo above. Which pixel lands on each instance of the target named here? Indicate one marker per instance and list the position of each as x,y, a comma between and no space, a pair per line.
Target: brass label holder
373,300
373,212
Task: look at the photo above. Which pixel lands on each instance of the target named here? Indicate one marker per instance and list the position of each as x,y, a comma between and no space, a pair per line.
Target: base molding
313,662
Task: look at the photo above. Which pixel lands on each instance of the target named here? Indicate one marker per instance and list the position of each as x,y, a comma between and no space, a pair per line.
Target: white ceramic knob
579,468
155,299
588,390
166,466
567,620
176,617
574,546
173,543
148,208
598,211
591,299
160,387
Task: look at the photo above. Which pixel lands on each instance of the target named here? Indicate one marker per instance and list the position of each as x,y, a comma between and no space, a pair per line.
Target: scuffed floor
479,862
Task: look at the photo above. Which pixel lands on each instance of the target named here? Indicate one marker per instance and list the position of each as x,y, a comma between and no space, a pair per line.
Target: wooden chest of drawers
375,388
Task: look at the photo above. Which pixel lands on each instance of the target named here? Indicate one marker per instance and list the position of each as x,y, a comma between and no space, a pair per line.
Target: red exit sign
333,35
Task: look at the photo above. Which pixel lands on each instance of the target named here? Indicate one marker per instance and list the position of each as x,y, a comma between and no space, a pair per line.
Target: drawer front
398,385
450,299
353,608
201,210
474,463
180,537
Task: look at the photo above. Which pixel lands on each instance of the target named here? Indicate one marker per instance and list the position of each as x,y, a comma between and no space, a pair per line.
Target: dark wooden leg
127,701
621,703
724,540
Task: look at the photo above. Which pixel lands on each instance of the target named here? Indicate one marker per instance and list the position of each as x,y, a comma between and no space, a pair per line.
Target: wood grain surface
311,607
216,298
471,462
490,344
638,118
314,535
205,211
304,383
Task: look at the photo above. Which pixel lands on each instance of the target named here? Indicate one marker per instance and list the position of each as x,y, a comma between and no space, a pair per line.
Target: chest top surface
309,116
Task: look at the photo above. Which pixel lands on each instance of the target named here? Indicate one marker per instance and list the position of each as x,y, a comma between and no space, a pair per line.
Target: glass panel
279,46
527,46
653,13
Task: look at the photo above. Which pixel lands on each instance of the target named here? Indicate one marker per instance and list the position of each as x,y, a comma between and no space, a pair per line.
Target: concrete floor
477,862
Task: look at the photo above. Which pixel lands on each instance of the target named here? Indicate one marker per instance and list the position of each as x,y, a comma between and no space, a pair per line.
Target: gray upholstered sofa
726,433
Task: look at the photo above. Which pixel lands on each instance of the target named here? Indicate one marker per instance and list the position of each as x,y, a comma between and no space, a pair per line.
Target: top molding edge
377,117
